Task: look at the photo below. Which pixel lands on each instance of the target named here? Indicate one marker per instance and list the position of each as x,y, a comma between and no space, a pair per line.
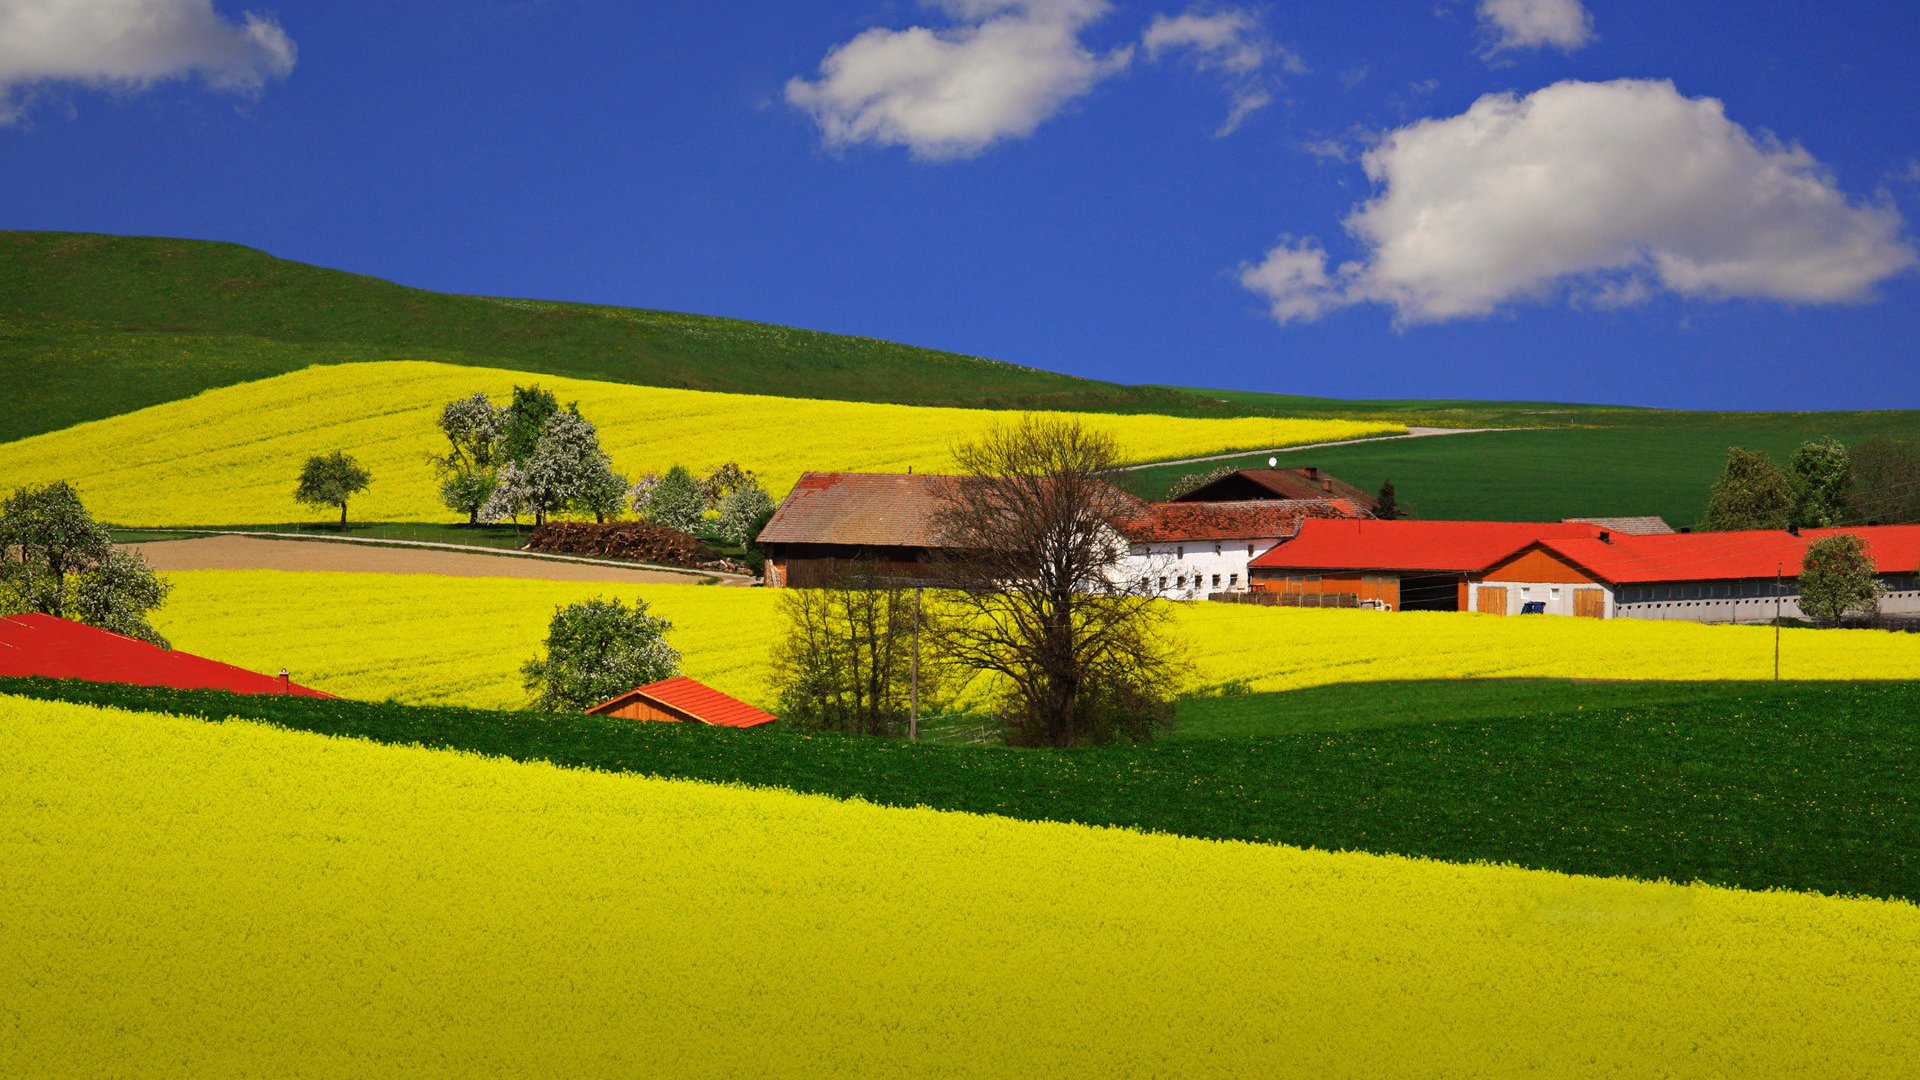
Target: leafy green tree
596,650
525,420
677,501
1886,481
1822,481
55,559
604,494
330,480
468,490
1837,579
1386,506
744,512
1753,492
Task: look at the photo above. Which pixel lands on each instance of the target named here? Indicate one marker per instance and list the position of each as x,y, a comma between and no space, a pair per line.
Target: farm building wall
1536,576
641,709
1750,601
1373,590
1195,569
816,566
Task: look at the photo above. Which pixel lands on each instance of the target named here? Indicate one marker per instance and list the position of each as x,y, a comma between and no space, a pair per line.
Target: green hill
1570,461
101,325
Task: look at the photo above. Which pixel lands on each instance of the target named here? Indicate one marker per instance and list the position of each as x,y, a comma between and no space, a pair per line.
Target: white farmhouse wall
1193,569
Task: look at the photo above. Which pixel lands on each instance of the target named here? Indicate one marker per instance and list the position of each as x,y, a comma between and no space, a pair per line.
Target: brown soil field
255,553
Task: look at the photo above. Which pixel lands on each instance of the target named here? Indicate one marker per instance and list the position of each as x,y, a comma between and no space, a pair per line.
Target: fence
1289,599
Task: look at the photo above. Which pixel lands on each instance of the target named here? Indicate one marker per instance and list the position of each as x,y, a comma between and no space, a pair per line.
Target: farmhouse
682,700
1189,550
54,648
1569,568
885,523
1260,485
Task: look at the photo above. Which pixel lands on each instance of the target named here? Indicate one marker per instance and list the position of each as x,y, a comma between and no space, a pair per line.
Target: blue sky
1048,181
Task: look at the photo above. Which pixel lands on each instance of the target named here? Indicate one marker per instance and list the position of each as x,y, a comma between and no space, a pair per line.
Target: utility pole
1779,573
913,693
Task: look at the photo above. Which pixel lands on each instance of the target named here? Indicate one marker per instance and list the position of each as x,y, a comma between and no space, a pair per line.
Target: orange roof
1416,546
1728,556
695,699
54,648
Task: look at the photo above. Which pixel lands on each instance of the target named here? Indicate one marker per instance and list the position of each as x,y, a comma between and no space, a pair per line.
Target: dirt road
255,553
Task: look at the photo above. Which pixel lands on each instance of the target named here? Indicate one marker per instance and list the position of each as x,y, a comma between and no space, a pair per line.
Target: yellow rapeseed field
423,639
193,899
233,455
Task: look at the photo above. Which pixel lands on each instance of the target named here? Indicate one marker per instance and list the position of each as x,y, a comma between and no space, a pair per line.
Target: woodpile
633,541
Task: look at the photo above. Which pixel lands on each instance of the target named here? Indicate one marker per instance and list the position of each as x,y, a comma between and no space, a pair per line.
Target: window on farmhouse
1249,551
1216,581
1180,553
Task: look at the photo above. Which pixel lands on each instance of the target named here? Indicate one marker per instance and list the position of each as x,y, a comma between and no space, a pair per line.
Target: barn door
1590,603
1493,600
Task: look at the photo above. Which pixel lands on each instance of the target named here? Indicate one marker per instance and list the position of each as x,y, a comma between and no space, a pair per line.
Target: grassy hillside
100,325
1628,462
233,454
236,900
1686,786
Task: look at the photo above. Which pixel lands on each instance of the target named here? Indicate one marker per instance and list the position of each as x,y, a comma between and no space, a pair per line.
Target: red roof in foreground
1419,546
695,699
1729,556
53,648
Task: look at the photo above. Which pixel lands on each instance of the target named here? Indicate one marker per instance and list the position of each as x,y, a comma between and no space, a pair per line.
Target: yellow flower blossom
232,455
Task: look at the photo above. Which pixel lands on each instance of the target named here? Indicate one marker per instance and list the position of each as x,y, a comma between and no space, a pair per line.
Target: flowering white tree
744,511
596,650
567,469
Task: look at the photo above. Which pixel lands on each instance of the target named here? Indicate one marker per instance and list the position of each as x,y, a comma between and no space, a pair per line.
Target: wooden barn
681,700
832,521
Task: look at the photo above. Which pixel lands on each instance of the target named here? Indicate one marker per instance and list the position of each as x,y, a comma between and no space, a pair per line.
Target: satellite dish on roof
1273,463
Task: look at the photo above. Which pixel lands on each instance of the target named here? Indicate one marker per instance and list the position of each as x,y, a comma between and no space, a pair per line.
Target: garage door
1590,603
1493,600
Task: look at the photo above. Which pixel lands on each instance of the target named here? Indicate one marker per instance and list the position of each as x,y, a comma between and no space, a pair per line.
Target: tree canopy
55,559
598,649
330,480
1837,579
1753,492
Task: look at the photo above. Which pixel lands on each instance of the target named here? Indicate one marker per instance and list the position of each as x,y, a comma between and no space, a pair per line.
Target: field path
1412,433
263,553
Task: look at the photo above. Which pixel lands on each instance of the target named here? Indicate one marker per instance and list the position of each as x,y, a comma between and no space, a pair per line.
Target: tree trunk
343,513
473,516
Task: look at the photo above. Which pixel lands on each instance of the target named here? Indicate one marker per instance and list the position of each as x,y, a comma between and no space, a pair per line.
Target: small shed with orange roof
681,700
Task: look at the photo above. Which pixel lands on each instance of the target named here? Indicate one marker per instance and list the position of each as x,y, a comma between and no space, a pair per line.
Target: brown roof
867,509
1631,526
1303,483
1271,518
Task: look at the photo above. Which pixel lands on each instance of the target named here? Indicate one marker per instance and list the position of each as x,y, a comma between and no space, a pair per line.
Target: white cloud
1606,192
1534,24
1002,69
1231,42
131,44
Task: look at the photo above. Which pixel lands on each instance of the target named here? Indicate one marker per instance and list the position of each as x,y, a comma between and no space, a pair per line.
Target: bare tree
1037,591
845,663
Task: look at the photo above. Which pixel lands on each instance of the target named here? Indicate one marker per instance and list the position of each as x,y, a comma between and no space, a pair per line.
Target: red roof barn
681,700
52,648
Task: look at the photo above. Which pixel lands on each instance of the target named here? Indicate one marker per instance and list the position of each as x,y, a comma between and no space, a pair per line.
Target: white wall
1751,610
1189,567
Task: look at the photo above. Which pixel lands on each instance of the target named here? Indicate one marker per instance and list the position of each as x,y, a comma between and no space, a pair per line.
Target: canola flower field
460,641
233,455
196,899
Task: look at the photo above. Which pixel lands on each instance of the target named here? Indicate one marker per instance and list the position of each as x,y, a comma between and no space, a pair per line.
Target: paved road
1412,433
